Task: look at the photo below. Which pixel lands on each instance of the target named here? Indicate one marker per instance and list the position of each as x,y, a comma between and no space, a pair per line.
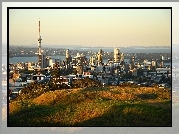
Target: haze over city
91,27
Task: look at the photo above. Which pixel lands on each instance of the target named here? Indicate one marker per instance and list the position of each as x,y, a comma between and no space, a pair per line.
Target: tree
55,77
163,79
86,82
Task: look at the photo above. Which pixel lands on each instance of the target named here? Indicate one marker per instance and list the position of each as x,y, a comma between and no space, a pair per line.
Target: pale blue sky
94,27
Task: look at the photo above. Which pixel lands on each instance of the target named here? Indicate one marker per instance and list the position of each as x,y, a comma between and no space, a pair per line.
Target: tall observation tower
39,51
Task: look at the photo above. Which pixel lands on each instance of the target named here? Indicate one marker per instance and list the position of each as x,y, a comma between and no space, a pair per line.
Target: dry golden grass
91,105
14,106
54,96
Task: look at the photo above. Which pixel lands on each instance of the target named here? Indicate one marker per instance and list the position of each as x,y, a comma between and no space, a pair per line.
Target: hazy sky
91,27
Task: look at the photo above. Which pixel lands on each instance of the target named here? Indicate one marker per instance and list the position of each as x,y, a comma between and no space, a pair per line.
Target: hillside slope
94,106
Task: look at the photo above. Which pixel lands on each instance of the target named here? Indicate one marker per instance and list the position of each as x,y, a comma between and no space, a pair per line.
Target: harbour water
35,59
31,59
137,49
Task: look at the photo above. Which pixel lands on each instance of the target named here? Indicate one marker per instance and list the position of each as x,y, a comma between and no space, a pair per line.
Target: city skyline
91,27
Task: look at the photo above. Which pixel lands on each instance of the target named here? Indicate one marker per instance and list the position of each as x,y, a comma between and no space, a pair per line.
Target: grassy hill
94,106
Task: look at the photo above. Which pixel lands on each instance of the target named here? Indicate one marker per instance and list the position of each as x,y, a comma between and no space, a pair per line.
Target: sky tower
39,52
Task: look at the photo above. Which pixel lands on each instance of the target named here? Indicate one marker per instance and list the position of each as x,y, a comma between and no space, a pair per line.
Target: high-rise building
117,55
92,60
100,56
68,56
